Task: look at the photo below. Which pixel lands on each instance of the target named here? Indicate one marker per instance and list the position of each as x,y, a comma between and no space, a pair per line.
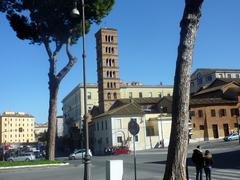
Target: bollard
114,170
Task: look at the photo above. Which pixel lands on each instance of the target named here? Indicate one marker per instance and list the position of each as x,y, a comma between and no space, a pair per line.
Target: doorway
226,129
215,130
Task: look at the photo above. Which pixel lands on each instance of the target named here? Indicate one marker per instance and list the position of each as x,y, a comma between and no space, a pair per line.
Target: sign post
133,128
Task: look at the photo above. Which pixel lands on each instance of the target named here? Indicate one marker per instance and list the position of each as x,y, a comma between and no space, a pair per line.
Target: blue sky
148,38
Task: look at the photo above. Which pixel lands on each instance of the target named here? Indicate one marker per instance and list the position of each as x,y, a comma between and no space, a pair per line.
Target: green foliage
51,20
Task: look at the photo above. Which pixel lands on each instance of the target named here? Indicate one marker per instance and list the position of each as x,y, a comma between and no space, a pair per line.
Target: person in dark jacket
208,161
197,158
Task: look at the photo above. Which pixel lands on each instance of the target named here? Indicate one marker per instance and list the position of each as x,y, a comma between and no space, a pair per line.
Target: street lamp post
87,158
161,110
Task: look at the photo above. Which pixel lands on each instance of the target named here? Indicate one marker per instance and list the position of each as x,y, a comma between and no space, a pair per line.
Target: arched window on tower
110,62
106,49
112,38
106,38
107,74
114,84
109,39
107,62
113,62
112,50
115,95
108,85
109,96
113,74
111,85
109,50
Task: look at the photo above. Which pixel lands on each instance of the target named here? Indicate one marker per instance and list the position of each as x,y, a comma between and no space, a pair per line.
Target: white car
22,157
232,137
79,154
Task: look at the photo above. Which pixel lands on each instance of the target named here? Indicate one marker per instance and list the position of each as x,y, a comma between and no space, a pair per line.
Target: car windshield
79,150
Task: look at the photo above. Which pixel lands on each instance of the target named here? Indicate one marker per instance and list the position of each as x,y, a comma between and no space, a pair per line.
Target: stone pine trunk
52,117
54,82
52,112
177,151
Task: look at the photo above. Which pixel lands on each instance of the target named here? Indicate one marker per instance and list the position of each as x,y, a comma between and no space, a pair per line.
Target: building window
109,96
106,125
89,109
115,95
201,127
213,113
113,62
192,113
119,139
194,125
136,138
229,76
200,113
159,95
89,95
234,112
97,126
102,125
140,95
130,94
237,75
222,112
236,125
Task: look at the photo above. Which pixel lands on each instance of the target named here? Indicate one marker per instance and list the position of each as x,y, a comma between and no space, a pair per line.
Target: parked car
79,154
22,157
232,137
116,150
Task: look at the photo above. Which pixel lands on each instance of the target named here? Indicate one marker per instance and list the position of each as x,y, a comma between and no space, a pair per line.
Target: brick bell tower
107,68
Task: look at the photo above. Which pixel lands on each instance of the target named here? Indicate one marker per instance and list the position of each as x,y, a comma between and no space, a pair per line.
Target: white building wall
164,131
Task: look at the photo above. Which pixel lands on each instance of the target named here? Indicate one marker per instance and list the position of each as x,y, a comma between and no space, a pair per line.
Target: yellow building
16,127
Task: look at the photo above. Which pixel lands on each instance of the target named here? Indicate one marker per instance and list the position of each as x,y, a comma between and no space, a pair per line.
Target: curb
30,166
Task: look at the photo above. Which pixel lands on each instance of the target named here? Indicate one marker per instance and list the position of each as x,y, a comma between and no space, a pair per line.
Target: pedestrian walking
197,158
208,161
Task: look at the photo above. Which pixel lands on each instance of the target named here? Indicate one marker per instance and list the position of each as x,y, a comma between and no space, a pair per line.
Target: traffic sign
133,127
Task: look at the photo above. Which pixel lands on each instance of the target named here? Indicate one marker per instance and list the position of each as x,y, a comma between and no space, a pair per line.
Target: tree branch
47,47
58,48
71,61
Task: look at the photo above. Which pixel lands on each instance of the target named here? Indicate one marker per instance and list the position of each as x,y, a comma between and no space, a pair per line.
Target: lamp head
75,12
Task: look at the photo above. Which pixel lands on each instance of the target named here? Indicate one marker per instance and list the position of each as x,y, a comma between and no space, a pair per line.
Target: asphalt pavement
150,165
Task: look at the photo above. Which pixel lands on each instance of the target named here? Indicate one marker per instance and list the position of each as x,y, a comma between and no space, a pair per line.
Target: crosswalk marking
221,174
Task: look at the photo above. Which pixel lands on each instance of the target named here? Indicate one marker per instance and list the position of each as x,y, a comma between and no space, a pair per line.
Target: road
150,165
